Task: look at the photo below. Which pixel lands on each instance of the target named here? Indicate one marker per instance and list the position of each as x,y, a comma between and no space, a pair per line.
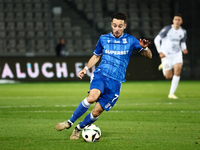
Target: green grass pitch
142,119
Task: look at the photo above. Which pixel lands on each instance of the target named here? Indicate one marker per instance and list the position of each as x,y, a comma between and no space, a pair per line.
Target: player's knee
168,77
91,99
177,72
95,114
93,96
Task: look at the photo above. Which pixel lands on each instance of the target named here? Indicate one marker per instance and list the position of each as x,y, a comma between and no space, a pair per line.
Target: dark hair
178,14
120,16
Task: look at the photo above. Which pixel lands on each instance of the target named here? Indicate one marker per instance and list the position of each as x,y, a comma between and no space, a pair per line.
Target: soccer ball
91,133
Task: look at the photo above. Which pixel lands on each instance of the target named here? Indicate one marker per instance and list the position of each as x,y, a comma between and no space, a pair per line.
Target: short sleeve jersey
115,54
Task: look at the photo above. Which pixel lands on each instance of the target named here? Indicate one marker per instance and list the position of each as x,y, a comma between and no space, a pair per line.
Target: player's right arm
157,42
92,61
158,39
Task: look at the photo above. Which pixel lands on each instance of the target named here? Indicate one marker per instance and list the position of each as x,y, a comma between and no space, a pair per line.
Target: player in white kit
170,44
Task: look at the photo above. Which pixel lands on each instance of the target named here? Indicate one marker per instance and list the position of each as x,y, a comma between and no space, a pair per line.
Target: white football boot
160,67
63,125
75,134
172,96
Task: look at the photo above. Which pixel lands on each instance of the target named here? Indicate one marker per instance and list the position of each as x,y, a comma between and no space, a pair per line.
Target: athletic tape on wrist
146,48
86,68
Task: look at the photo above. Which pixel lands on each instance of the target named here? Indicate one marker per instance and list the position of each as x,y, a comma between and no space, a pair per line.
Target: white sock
174,84
93,118
78,126
85,103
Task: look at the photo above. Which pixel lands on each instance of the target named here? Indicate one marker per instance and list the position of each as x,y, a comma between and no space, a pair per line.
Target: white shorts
169,62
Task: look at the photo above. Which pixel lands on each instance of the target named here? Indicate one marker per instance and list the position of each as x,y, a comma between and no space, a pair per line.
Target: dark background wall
30,29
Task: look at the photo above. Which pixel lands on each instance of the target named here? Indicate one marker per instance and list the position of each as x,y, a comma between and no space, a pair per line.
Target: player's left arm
184,48
185,51
146,51
183,43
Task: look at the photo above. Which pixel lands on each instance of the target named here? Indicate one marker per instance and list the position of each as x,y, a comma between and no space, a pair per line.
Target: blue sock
80,110
89,119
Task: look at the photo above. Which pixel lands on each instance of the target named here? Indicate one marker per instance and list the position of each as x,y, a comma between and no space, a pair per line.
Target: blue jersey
115,53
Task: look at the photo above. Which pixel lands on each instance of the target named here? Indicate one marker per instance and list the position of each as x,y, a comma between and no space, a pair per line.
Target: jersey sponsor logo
116,41
116,52
124,41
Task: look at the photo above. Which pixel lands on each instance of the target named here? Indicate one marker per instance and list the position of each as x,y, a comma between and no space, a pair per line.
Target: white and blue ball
91,133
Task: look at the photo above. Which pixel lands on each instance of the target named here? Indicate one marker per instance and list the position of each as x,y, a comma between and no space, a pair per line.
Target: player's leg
175,80
89,119
177,62
177,69
80,110
167,67
84,105
106,101
93,116
96,88
168,74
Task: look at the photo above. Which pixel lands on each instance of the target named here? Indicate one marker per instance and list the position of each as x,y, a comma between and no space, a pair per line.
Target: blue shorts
110,90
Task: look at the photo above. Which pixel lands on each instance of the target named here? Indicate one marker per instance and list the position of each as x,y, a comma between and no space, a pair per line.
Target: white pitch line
57,106
136,111
139,111
75,105
66,105
170,103
36,106
31,97
41,111
23,106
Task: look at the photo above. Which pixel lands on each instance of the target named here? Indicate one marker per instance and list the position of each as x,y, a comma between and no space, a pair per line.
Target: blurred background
32,28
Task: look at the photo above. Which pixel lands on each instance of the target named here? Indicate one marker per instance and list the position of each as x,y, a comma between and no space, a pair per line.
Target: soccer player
170,44
114,49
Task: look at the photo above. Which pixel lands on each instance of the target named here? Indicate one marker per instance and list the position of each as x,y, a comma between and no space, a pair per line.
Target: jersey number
116,97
